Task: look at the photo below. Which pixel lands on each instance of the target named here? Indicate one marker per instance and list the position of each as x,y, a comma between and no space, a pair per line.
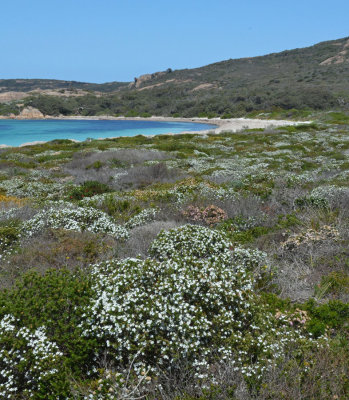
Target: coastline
218,125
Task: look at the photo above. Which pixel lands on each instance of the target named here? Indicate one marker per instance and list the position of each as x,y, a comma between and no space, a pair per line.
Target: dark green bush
96,165
313,202
333,315
88,189
123,209
8,236
54,300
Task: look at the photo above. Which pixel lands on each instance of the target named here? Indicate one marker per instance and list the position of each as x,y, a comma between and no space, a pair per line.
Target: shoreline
218,125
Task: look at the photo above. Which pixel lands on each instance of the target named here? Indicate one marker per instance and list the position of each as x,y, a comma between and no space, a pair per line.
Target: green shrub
31,364
337,282
338,118
8,236
241,230
119,209
49,308
88,189
314,202
145,115
333,315
288,221
96,165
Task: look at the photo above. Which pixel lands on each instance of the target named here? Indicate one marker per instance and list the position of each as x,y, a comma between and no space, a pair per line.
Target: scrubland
177,267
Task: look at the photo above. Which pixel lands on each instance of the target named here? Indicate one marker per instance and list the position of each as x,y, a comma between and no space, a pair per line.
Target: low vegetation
177,267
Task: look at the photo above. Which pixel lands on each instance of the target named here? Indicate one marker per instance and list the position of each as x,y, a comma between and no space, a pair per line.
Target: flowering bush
167,311
322,196
198,310
30,363
248,258
195,305
141,218
191,241
19,188
75,219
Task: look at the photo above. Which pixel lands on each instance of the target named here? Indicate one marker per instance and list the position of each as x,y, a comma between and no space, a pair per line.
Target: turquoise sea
17,132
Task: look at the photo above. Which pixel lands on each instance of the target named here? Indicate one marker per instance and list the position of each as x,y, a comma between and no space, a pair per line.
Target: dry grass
140,238
57,249
143,176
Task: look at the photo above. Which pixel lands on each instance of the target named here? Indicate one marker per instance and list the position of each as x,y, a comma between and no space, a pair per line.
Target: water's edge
109,131
215,125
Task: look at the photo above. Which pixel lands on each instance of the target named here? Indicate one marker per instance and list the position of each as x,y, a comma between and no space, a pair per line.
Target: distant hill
27,85
315,78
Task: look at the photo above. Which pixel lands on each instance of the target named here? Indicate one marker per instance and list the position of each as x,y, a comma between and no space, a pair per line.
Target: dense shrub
30,363
8,236
332,315
197,312
75,219
39,333
191,241
88,189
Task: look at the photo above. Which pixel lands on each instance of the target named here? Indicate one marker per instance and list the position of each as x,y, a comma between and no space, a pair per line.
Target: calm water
17,132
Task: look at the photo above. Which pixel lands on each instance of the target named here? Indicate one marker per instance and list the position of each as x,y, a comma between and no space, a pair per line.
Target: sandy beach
218,124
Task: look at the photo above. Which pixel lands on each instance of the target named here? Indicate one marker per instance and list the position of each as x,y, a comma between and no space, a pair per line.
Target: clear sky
116,40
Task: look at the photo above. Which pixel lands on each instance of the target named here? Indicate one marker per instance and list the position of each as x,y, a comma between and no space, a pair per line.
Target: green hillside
27,85
315,78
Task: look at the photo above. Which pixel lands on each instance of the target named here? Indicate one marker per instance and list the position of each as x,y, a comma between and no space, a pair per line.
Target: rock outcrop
30,113
146,77
341,57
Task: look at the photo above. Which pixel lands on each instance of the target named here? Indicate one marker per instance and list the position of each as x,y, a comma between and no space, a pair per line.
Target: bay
17,132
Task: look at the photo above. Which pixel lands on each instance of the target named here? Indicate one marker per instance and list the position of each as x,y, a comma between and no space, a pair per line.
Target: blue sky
116,40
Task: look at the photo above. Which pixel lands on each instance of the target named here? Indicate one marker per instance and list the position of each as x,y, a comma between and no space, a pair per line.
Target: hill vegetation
312,78
177,267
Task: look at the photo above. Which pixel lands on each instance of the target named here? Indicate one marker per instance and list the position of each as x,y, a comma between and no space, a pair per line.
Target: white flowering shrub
328,193
167,310
323,196
9,238
191,241
76,219
196,311
145,216
20,188
30,364
250,259
198,307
